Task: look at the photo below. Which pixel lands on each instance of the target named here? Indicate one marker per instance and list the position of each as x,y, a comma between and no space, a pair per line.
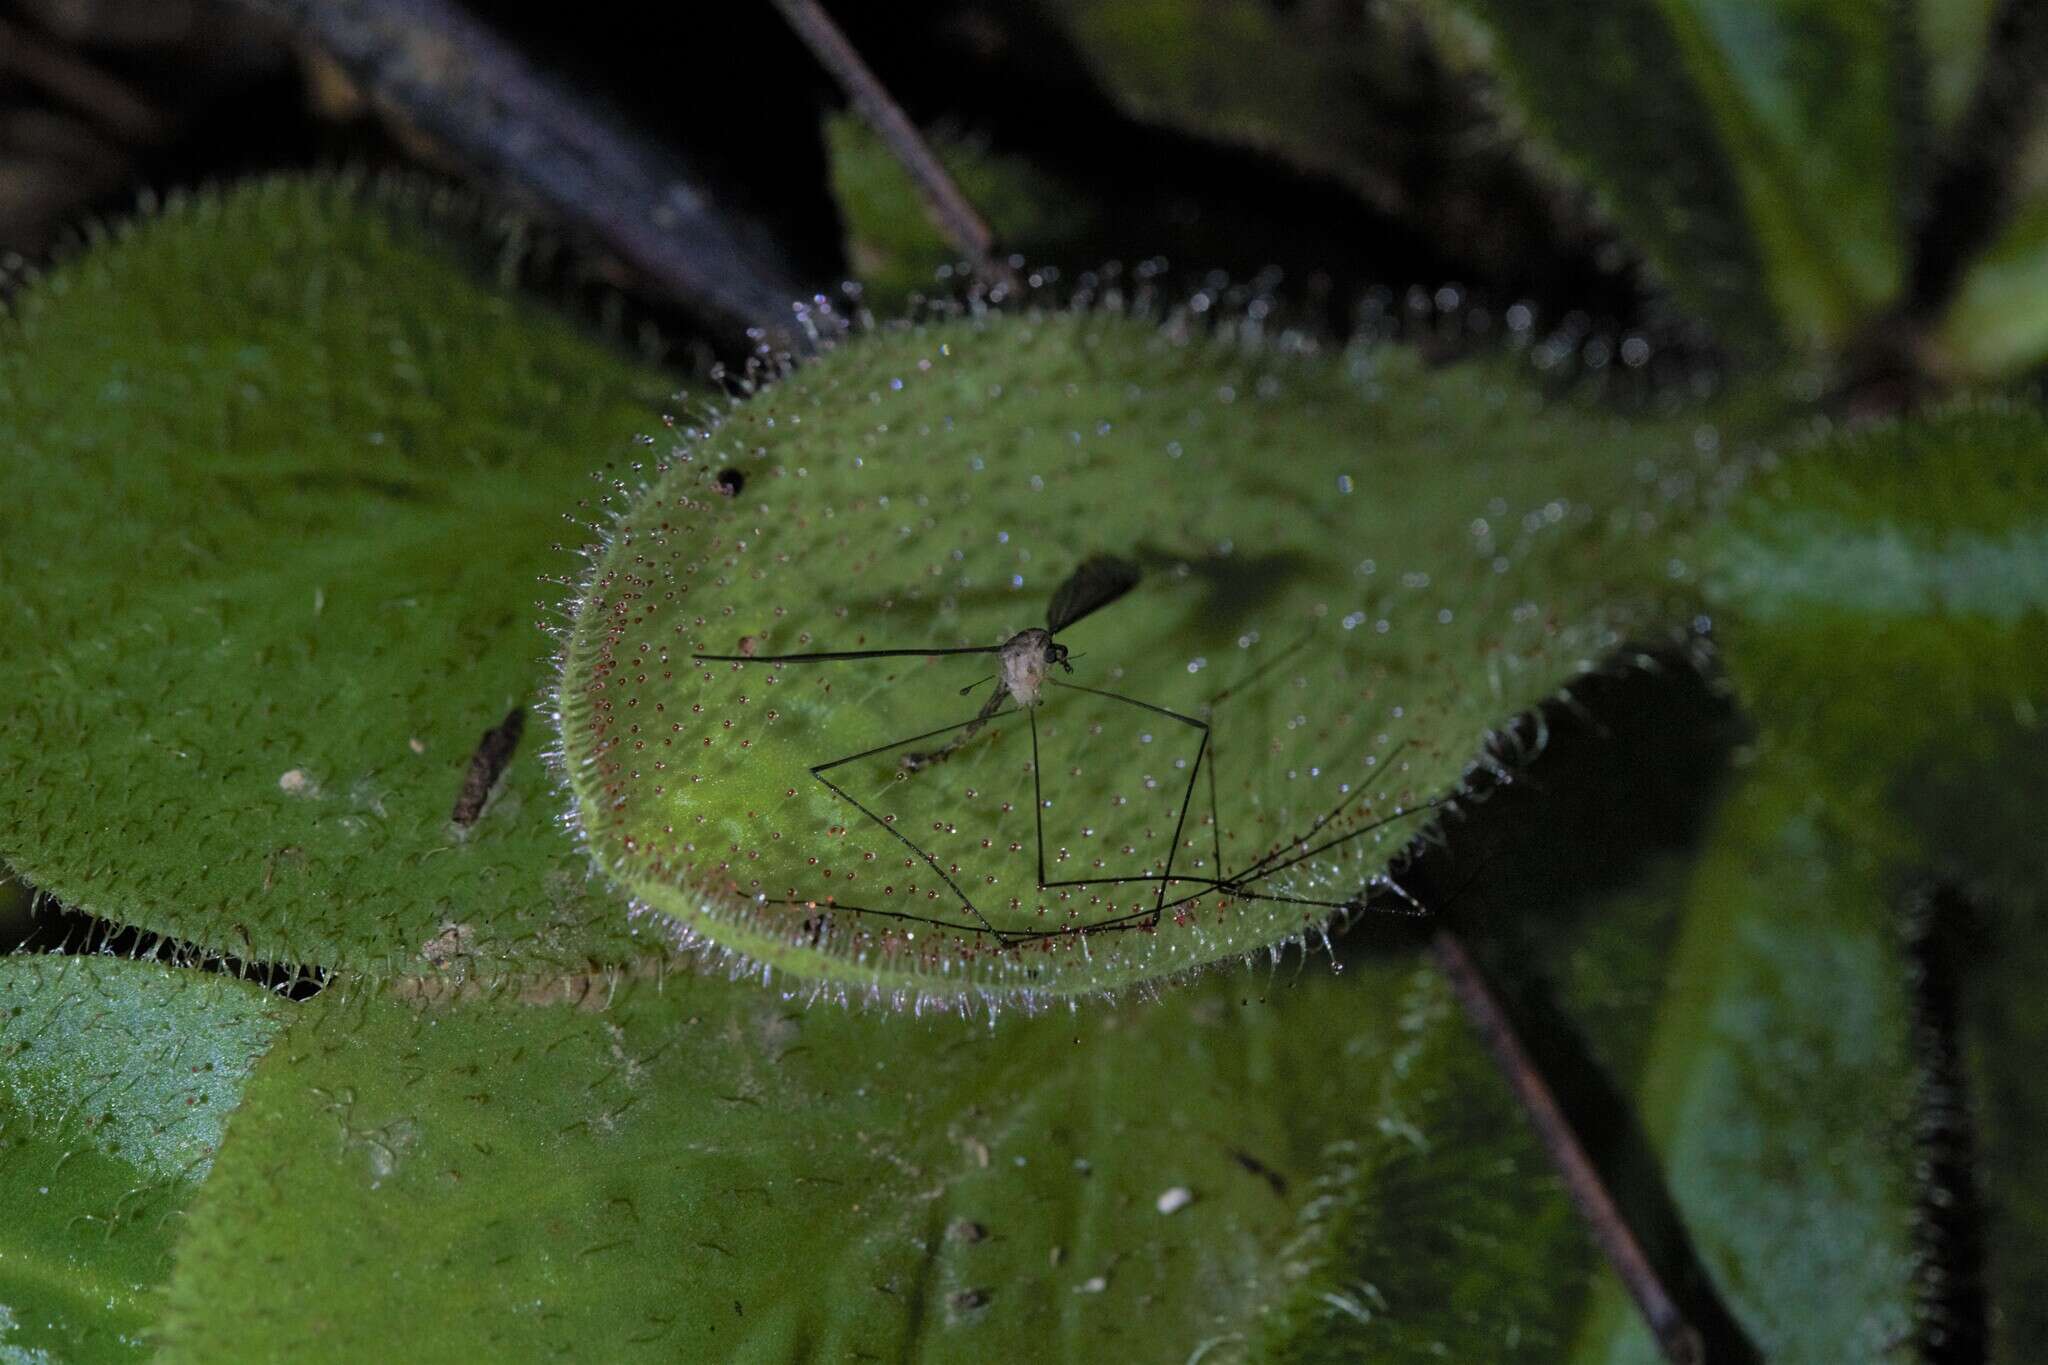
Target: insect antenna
830,656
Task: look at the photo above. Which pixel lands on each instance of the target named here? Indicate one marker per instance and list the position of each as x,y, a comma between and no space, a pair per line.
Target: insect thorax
1027,657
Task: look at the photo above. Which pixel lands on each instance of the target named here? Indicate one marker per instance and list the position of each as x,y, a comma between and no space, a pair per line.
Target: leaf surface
289,473
703,1170
116,1081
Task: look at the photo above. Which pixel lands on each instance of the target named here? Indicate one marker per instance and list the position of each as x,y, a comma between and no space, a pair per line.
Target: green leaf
1954,37
116,1079
1312,86
289,473
1345,622
890,239
1996,326
1775,1080
700,1170
1753,150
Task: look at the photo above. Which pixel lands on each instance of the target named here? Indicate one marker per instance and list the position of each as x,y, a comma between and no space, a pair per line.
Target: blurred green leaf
288,474
116,1080
1994,327
1775,1082
892,243
1886,599
1752,150
1594,90
1997,325
1953,36
1306,83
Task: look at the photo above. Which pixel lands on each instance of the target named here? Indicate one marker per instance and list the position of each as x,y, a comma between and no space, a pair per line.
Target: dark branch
963,228
431,65
1677,1338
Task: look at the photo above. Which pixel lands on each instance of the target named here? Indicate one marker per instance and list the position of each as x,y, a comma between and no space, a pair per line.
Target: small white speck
1176,1199
1093,1285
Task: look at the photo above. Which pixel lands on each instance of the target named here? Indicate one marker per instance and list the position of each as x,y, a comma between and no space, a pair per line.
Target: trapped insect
1027,661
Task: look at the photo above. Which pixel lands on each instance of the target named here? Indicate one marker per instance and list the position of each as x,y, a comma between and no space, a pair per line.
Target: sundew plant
1053,803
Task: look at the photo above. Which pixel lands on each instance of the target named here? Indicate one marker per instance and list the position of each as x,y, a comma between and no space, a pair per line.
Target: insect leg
831,904
1239,886
1301,840
819,770
1309,852
1038,803
968,730
1179,824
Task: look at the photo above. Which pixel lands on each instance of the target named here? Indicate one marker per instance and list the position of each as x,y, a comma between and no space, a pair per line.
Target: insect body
1026,666
1026,658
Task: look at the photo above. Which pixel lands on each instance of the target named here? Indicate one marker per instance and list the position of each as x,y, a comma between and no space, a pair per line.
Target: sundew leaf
285,474
1754,151
1351,568
695,1169
1886,600
116,1080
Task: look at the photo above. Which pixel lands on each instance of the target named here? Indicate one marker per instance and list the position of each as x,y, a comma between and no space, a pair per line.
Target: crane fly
1026,664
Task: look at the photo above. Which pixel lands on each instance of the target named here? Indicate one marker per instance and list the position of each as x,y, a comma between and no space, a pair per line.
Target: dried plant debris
487,767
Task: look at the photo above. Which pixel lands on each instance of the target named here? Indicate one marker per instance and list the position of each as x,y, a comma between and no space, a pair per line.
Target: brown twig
964,229
482,104
1678,1339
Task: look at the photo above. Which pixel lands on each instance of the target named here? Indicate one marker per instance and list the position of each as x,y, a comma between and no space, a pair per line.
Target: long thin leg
1238,885
1215,819
819,770
1216,700
1038,803
1306,853
1145,919
1350,793
912,762
1037,794
1186,796
831,904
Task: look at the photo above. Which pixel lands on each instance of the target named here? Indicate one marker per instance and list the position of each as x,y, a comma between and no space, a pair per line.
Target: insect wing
1099,581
